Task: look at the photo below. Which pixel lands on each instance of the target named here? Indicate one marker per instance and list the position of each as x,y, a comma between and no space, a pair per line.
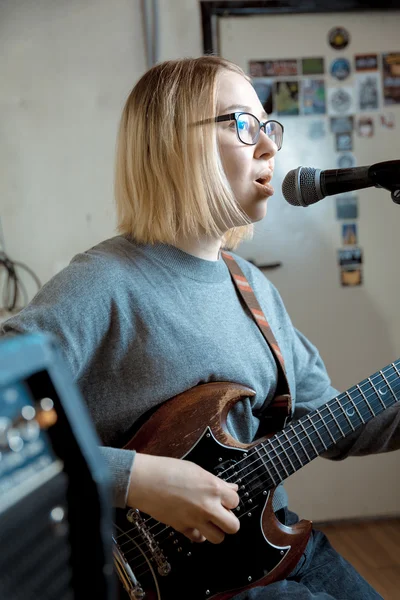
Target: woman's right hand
185,496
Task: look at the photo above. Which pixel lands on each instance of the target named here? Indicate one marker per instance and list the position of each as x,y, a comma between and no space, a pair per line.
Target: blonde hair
169,179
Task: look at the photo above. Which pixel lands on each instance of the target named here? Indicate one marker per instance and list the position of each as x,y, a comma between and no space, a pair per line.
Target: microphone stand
386,175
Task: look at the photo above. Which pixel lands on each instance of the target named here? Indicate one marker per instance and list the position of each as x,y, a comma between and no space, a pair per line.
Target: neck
203,247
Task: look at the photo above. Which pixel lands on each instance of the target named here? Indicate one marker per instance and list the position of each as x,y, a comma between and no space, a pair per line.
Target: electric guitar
155,562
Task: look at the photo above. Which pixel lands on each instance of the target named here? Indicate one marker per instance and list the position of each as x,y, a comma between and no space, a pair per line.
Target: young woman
154,312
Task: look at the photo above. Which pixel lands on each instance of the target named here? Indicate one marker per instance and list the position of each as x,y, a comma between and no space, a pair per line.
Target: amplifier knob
15,441
5,425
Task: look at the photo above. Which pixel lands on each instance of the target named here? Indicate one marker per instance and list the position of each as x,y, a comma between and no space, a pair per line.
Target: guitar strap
280,409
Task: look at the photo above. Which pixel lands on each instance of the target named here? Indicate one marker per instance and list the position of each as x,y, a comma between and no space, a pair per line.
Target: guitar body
191,426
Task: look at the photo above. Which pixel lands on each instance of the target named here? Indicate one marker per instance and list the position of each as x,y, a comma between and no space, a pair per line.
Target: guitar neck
312,435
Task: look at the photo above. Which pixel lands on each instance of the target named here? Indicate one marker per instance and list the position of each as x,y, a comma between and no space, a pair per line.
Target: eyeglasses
248,128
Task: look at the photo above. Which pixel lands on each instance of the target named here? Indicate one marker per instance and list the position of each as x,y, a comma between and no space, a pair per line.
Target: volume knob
5,426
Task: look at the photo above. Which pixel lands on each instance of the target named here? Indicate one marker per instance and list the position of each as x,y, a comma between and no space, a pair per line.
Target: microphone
304,186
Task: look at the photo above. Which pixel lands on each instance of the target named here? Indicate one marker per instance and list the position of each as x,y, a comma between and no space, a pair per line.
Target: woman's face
244,165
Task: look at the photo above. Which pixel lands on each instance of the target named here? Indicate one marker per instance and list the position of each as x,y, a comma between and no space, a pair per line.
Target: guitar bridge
126,575
163,566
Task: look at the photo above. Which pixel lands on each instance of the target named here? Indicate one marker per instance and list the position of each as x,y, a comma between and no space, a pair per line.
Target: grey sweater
139,324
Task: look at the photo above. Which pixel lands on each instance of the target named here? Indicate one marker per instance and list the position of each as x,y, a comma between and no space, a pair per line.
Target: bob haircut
169,179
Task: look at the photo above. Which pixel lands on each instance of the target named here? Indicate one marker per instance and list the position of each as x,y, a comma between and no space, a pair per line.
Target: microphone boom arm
386,175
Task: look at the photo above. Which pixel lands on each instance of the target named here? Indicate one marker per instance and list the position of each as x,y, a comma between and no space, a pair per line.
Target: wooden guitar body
191,426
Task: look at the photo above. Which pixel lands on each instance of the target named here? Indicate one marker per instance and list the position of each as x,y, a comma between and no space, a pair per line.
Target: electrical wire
14,294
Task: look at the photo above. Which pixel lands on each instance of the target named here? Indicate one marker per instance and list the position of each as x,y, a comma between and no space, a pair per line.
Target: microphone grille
301,186
289,188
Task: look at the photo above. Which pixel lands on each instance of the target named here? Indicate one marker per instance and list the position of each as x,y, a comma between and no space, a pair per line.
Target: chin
258,213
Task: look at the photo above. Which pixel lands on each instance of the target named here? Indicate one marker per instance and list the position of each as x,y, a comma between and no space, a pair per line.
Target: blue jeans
321,574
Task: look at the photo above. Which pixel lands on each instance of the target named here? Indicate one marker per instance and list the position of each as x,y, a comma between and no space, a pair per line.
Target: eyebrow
235,107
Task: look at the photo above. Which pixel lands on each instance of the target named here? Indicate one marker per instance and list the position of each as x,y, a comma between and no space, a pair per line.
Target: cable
14,290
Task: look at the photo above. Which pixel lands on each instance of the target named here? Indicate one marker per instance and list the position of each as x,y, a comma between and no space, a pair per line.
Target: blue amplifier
56,517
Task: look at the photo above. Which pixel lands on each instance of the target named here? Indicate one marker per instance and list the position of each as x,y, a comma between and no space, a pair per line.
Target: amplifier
56,517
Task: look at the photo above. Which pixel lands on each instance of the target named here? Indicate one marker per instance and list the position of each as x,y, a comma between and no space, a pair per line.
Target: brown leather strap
283,399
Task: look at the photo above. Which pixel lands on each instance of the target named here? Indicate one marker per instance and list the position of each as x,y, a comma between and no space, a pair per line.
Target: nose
265,147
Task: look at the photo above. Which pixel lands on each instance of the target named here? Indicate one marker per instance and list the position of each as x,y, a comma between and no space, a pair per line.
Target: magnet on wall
287,97
391,77
347,207
350,277
338,38
340,68
342,124
256,68
346,161
366,62
313,97
350,257
344,142
341,100
368,90
264,88
349,234
388,120
313,66
350,261
365,127
273,68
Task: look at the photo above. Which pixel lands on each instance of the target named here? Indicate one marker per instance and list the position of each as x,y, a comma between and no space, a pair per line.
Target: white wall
357,330
66,68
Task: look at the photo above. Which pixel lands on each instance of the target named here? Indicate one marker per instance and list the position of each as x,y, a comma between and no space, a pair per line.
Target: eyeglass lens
248,128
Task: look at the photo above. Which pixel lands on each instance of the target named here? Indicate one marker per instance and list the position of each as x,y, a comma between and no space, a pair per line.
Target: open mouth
265,186
263,180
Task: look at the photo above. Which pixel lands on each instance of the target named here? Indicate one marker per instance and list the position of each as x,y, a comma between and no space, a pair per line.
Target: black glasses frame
235,116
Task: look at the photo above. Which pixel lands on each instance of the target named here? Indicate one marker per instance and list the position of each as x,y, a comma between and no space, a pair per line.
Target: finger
212,533
226,521
234,486
194,535
230,498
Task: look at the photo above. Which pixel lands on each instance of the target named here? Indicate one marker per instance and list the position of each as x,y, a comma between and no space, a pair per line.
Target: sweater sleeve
74,306
313,389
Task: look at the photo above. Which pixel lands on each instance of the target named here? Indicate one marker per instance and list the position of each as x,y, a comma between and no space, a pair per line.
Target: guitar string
166,528
340,405
244,511
276,436
312,428
148,570
311,448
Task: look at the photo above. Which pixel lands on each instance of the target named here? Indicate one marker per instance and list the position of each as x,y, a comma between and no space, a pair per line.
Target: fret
283,432
292,427
277,455
334,418
330,423
317,432
355,406
272,464
347,417
325,425
292,448
282,443
266,466
365,399
365,409
390,388
309,438
374,388
396,369
259,477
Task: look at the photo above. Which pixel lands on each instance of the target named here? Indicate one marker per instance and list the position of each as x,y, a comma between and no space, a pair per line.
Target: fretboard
270,462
